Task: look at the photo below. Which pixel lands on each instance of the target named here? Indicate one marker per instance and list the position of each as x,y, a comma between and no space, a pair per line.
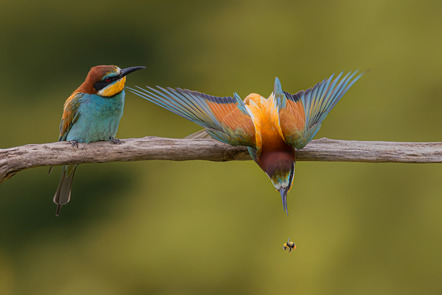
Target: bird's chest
104,108
98,118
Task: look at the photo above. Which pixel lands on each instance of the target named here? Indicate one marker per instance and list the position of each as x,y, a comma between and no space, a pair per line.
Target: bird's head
280,168
106,80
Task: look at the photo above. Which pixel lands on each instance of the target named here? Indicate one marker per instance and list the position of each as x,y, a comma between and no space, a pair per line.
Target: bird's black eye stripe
101,84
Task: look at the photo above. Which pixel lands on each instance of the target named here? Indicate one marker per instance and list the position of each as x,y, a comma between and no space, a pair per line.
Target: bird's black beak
283,191
129,70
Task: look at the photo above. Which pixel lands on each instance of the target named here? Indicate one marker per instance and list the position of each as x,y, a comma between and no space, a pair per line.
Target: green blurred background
198,227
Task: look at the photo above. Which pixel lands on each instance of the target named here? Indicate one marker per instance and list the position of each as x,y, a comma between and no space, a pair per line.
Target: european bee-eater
270,128
91,113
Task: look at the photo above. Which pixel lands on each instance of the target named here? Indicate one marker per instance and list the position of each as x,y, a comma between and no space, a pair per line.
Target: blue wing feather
317,102
225,118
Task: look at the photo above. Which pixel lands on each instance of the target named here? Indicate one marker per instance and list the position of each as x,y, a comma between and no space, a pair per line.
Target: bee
289,245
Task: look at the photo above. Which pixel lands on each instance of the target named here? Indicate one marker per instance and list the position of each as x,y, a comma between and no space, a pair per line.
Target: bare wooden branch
15,159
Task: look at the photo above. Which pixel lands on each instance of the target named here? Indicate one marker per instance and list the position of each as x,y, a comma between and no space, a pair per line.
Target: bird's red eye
108,79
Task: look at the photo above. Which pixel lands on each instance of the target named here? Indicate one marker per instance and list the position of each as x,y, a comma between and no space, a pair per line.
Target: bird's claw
74,143
115,140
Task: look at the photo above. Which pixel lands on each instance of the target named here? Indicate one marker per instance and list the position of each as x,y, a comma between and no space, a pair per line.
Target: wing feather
224,118
301,114
70,114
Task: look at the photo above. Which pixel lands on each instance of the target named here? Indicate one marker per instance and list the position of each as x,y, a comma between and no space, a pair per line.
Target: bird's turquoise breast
98,118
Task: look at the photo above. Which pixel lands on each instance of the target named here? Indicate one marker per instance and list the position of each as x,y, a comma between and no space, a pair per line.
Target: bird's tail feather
63,194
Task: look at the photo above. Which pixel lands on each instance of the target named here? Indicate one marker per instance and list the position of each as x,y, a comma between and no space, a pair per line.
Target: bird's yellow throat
113,89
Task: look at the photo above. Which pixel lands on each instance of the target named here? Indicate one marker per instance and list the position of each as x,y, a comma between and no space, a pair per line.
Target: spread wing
301,114
224,118
70,115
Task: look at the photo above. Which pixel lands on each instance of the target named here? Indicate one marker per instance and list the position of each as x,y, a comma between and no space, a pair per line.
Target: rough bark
15,159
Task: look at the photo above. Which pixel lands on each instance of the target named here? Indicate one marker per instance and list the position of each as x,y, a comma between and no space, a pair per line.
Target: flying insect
289,245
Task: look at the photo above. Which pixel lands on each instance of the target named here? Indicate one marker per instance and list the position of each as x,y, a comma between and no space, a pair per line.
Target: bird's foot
74,143
114,140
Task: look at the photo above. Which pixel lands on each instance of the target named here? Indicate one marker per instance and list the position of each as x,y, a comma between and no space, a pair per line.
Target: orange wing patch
70,114
234,122
231,117
292,119
221,110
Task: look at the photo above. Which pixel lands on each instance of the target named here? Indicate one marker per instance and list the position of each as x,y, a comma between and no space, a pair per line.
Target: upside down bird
270,128
91,113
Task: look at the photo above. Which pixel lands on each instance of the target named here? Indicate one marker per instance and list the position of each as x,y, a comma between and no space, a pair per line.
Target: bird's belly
89,129
271,137
97,122
272,140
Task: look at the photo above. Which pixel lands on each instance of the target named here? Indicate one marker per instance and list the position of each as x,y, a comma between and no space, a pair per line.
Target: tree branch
15,159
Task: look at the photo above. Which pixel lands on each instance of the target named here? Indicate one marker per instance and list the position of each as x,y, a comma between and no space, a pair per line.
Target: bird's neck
86,87
277,160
